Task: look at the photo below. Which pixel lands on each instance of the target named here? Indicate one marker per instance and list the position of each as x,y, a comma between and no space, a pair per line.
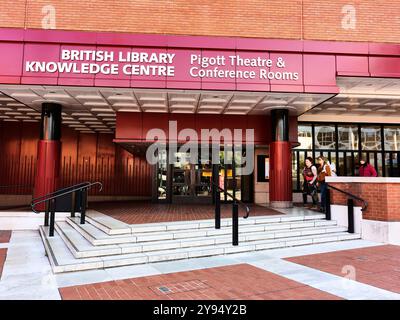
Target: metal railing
79,200
235,212
16,186
60,191
350,206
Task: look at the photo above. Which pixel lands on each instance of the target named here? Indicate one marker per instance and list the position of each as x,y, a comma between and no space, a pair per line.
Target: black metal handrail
61,190
55,195
234,199
79,200
235,212
350,206
365,202
17,186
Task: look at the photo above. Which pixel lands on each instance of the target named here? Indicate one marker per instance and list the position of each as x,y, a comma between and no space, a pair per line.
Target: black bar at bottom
235,224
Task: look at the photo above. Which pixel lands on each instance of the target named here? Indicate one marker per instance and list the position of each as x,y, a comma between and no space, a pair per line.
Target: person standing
324,170
366,170
310,175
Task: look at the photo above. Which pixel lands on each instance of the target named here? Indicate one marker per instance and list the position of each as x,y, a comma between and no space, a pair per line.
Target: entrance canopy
360,99
90,109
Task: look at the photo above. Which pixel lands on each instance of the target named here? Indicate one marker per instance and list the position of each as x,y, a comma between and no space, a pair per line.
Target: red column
47,168
280,174
49,152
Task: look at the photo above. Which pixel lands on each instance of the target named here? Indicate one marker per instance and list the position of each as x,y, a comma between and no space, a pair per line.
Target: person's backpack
333,169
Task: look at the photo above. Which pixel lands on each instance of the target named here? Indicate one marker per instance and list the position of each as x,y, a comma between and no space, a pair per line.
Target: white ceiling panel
93,109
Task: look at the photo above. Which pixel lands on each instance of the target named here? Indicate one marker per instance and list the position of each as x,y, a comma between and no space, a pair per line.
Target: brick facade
383,199
342,20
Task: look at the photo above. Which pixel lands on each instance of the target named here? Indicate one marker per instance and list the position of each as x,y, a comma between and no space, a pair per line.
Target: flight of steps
103,242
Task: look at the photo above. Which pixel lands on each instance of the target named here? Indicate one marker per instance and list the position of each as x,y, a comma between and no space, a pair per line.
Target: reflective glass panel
392,138
348,137
371,138
325,137
305,136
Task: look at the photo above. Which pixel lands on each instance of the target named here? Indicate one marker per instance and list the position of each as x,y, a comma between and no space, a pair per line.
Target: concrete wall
372,230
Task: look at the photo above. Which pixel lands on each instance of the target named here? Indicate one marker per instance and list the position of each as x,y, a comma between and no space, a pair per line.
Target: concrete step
98,237
62,259
81,247
112,226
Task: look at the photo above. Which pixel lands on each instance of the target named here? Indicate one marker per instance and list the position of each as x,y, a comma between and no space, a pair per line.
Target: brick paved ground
136,212
3,254
5,236
377,266
241,281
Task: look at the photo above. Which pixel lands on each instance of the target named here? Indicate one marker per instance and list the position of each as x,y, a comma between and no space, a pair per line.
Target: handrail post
328,204
235,223
46,214
350,215
73,204
83,205
52,217
217,208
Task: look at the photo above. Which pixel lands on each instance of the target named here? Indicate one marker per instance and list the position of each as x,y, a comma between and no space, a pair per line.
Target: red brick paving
5,236
3,254
240,281
377,266
136,212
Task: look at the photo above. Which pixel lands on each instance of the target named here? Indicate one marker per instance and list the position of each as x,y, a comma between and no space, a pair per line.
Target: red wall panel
84,157
126,132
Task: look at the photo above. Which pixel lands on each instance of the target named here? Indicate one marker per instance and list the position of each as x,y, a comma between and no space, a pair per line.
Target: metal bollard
328,205
217,209
235,224
350,215
52,217
46,214
83,205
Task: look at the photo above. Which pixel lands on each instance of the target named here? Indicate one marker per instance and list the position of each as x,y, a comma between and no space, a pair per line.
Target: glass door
162,177
229,170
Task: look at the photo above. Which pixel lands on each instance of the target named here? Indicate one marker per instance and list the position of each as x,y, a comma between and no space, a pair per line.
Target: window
347,137
262,168
371,138
392,138
305,136
344,149
325,137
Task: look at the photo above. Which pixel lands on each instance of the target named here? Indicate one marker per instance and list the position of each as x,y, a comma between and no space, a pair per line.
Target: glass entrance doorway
186,181
191,181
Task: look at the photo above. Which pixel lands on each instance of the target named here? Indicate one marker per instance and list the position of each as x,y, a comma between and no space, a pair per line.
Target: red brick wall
383,199
376,21
85,157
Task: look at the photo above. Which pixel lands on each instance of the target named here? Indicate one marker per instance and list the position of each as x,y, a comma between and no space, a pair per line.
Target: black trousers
310,189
